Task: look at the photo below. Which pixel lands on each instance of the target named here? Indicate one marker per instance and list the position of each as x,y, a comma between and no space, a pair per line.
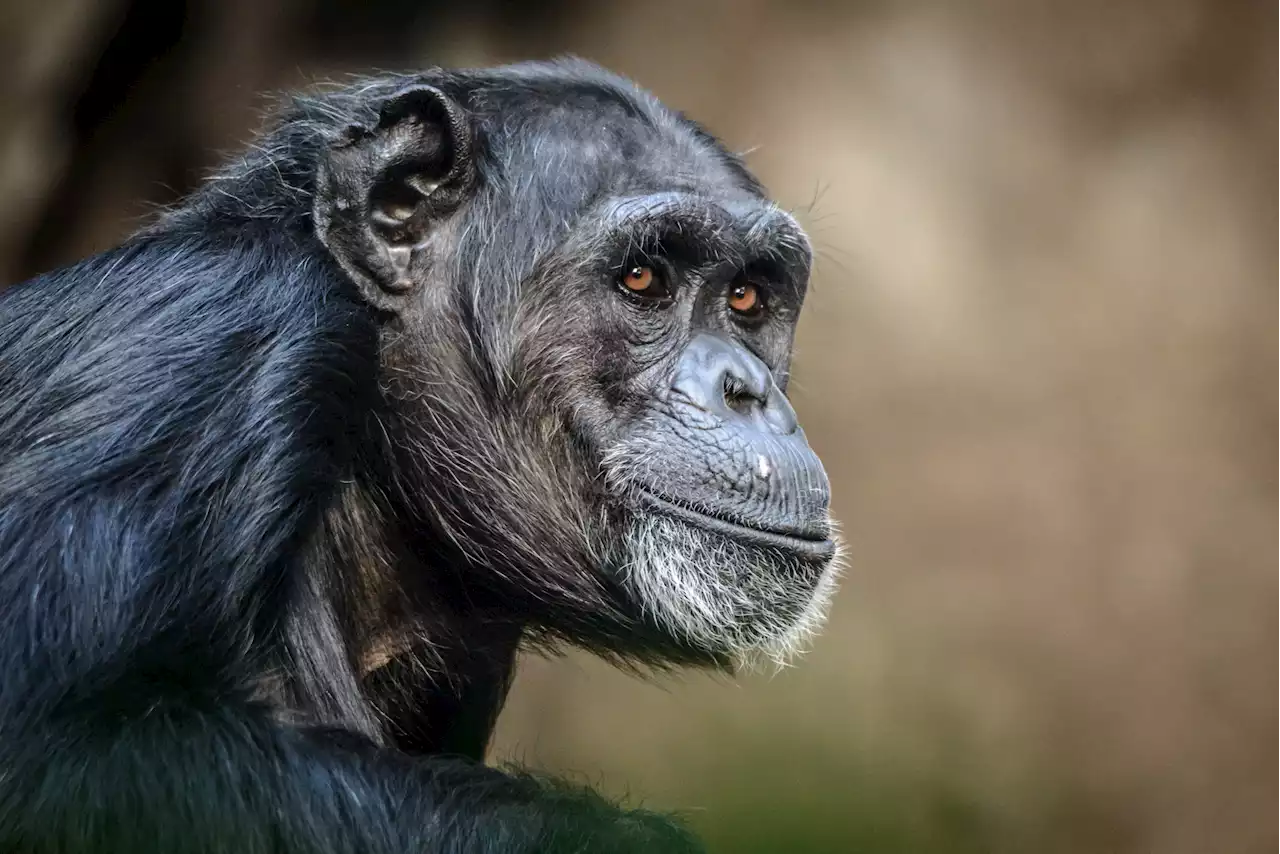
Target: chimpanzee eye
645,281
746,299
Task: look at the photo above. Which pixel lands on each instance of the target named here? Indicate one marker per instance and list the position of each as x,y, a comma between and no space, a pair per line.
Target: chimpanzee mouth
800,543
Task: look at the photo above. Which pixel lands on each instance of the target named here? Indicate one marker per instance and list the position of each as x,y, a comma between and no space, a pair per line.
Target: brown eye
643,280
745,299
638,279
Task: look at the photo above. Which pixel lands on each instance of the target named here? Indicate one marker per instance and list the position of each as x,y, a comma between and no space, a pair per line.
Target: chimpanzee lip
797,542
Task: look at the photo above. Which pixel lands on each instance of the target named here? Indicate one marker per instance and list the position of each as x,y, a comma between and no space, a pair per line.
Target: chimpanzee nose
725,379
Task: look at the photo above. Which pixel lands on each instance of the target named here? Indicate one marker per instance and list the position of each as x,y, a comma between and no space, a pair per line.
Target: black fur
268,546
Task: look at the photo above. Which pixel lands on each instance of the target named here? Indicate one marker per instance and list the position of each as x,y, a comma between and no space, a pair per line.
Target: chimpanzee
446,364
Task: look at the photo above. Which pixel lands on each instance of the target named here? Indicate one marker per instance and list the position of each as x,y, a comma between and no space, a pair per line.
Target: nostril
724,379
738,397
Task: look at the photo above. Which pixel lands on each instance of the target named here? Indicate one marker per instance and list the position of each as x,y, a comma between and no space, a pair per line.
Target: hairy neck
384,645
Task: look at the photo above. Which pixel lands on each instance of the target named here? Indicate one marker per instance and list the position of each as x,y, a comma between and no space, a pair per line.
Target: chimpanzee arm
173,416
227,780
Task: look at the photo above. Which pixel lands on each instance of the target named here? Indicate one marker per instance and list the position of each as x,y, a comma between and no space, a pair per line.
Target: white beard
754,604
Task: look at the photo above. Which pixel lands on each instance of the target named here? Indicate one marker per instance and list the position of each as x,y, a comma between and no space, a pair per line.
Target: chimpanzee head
588,308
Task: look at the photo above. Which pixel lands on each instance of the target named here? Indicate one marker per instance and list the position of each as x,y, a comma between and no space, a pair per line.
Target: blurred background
1033,360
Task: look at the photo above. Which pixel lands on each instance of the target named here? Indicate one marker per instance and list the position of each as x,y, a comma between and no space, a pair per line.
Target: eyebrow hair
749,233
657,218
776,234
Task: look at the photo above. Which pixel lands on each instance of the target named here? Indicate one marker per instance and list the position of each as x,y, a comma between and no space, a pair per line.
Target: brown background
1034,361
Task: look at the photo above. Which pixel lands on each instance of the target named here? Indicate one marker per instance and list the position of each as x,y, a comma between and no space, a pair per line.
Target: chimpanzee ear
382,190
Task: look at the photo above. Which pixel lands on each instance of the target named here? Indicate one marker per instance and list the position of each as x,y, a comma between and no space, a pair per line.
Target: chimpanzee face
591,314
